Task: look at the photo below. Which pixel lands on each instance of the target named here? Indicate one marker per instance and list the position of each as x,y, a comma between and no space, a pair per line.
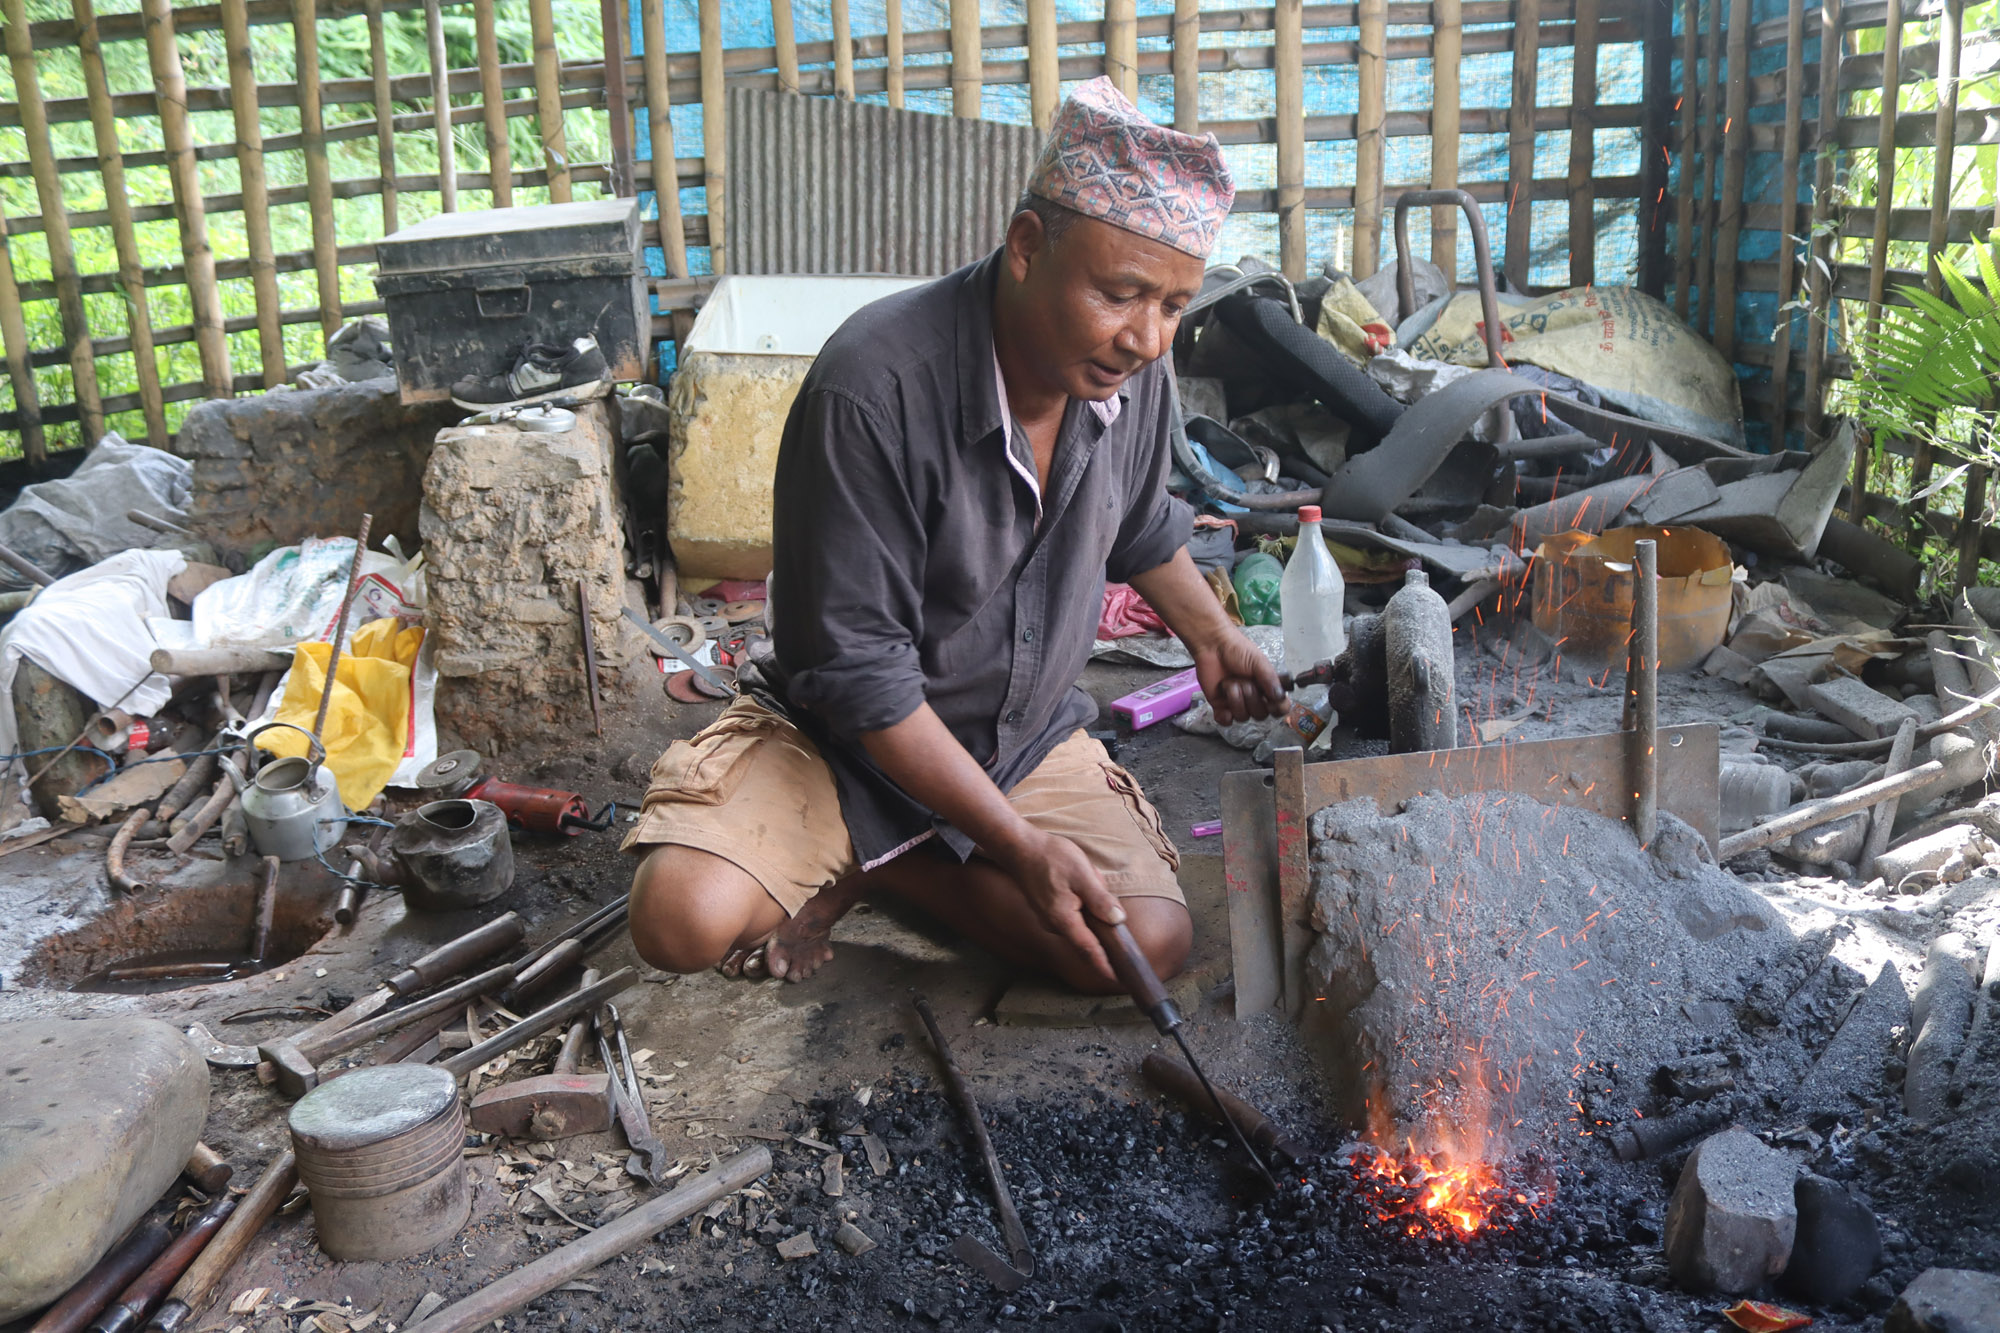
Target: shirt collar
982,397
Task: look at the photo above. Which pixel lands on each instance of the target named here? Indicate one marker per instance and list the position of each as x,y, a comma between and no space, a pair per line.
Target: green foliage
1939,356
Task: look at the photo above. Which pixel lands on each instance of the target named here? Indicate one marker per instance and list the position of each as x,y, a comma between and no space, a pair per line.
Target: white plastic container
1311,598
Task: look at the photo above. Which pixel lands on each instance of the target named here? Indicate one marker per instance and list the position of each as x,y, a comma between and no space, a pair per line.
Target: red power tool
544,810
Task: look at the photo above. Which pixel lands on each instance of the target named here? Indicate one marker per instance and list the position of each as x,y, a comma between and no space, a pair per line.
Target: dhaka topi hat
1107,161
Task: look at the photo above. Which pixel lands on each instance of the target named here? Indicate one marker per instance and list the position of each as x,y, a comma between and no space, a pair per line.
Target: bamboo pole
256,191
1788,213
967,69
1885,164
1735,164
1044,76
714,134
1819,288
786,44
843,52
548,98
1121,46
1521,141
447,149
1447,50
1583,148
1711,124
892,75
204,301
1371,110
1290,20
319,178
55,222
1951,24
1690,112
385,113
492,97
660,129
20,353
131,269
613,20
1971,525
1187,66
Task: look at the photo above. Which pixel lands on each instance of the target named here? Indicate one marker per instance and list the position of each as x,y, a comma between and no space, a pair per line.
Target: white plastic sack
90,631
293,596
76,521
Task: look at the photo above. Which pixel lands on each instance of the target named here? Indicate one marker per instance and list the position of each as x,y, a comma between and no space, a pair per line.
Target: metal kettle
291,806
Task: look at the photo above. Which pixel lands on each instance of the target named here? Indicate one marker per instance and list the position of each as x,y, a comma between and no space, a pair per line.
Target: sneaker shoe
541,371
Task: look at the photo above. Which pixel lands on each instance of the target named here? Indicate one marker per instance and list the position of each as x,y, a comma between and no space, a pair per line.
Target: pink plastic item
1159,701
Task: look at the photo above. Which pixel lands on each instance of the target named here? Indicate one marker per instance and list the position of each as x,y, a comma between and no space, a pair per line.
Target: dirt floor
1139,1217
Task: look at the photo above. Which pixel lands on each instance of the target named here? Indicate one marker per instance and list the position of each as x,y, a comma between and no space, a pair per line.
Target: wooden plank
843,52
1291,90
1951,24
124,240
1121,46
1044,78
660,129
892,49
1819,305
1711,126
1521,141
256,192
1371,109
1583,148
55,222
1187,66
440,70
1788,210
548,99
205,303
1690,115
499,151
1448,43
1735,165
786,45
714,134
27,413
966,56
319,177
385,116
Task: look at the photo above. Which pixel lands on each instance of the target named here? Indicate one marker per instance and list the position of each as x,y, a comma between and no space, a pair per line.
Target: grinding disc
688,633
689,688
714,627
703,607
738,612
449,773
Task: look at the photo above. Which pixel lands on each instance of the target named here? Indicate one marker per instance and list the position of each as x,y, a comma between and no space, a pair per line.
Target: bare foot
803,945
748,963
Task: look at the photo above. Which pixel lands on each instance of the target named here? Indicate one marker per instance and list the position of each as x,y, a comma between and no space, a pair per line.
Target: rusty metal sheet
1582,771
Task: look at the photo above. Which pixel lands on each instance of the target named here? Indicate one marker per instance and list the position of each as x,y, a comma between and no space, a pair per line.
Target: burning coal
1428,1196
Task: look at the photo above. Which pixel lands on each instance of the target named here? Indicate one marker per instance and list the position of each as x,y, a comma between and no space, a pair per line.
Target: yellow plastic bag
368,721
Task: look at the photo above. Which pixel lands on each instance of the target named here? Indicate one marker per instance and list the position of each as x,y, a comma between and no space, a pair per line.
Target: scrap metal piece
1178,1080
589,656
673,649
222,1054
1007,1277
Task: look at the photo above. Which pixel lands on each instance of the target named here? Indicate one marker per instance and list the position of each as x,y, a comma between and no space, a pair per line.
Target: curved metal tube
1482,261
114,855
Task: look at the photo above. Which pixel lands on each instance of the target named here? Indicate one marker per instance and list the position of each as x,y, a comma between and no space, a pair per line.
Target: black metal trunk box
465,290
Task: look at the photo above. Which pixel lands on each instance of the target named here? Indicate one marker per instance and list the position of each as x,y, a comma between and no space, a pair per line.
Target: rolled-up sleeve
847,548
1156,524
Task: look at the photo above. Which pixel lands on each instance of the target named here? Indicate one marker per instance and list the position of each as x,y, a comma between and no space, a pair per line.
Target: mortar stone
1733,1217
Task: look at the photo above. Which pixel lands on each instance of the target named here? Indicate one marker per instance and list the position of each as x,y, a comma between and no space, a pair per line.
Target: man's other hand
1239,682
1064,889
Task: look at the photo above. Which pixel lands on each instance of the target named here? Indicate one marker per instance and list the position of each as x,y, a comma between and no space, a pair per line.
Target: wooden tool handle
1134,972
542,1020
202,1277
572,1047
496,936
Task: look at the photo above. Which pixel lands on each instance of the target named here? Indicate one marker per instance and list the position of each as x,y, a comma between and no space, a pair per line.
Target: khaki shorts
754,791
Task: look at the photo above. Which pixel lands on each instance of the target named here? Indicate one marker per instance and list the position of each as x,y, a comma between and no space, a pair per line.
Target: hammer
550,1106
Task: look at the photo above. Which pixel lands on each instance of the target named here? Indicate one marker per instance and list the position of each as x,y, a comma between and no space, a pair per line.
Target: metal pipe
169,971
340,625
146,520
138,1299
25,567
1177,1080
1482,260
219,661
202,820
111,1275
545,1019
589,646
1642,691
202,1277
114,855
267,912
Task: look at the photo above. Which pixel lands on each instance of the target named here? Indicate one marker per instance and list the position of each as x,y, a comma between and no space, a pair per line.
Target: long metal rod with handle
545,1274
1016,1235
679,653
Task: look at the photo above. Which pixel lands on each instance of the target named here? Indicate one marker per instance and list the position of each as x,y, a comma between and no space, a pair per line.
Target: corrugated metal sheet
821,185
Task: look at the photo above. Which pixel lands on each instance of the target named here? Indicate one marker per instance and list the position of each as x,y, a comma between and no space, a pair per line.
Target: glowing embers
1429,1195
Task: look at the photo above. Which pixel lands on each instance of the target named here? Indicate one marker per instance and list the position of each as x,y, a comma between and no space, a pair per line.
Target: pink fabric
1127,614
1107,161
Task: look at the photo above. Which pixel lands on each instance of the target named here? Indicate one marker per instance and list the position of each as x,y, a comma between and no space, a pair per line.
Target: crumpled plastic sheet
73,522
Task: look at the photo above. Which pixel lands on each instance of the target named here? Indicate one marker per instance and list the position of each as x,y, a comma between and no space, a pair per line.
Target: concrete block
1947,1300
97,1117
728,412
1732,1221
1859,707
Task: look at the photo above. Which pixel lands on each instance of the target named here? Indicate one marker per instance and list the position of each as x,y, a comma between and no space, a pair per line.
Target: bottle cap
1308,513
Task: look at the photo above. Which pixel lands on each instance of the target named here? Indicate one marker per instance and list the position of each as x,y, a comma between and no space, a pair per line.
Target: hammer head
296,1074
548,1106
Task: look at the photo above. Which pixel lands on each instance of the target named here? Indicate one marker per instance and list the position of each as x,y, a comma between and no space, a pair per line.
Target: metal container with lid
381,1151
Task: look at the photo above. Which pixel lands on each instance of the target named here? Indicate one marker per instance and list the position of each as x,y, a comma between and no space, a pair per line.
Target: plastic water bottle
1311,598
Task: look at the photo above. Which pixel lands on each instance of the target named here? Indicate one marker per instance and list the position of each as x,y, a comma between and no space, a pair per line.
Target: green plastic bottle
1257,578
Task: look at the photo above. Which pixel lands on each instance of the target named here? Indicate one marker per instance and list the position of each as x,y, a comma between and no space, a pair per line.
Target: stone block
276,468
512,521
1861,708
1732,1221
1947,1300
1852,1061
728,412
97,1117
1837,1245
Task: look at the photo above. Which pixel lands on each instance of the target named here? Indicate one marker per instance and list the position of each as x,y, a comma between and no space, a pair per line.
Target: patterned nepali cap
1107,161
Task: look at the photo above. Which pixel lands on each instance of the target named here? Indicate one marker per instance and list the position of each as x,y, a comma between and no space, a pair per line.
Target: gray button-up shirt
914,561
